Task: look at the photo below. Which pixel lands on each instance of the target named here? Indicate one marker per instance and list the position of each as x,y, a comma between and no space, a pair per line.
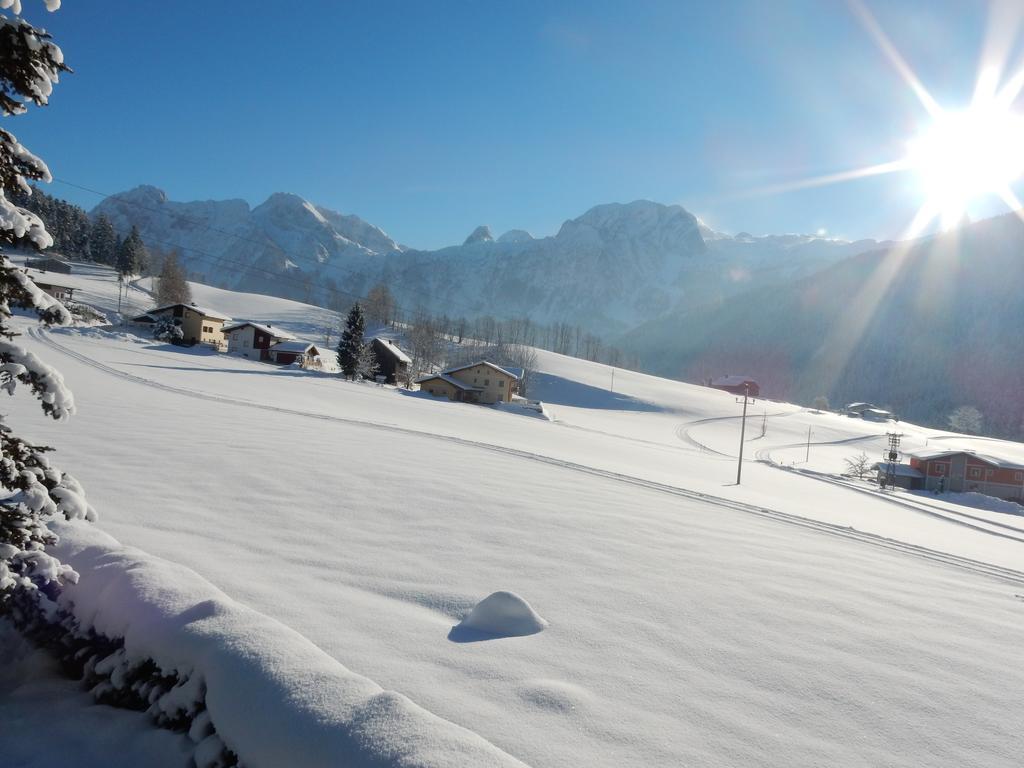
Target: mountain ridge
613,267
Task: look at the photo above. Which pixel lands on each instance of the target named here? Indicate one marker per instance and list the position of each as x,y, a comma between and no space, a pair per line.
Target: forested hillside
922,329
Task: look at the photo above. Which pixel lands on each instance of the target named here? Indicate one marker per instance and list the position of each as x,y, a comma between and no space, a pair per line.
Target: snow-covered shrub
153,635
84,314
167,330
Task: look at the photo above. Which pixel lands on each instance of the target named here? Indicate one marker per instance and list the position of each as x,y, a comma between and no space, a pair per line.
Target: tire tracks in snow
683,431
845,532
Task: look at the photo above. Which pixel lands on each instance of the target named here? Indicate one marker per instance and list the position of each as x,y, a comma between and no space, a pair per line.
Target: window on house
1019,477
501,382
487,382
975,472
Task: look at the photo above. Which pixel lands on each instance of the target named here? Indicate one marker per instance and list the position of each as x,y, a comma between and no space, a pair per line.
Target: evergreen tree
32,490
103,241
168,330
171,287
67,223
131,254
350,348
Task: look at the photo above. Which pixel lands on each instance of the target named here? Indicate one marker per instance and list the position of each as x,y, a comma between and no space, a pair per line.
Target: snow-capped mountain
614,267
286,246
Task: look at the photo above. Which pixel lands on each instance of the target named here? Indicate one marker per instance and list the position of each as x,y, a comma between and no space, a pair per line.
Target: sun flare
966,156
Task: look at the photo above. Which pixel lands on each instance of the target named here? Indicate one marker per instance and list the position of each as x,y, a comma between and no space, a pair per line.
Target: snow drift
273,697
500,614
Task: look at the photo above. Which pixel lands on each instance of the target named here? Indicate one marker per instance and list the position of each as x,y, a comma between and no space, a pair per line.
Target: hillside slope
689,620
921,328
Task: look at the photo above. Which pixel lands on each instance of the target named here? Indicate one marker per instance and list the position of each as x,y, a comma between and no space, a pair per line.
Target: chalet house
392,363
969,471
253,340
302,352
737,385
51,287
198,324
480,382
868,412
49,264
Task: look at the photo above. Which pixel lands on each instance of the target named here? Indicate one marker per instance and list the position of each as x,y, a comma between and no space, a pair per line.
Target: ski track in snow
920,507
1006,574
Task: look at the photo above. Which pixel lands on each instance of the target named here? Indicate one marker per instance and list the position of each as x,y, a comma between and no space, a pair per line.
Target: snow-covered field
796,619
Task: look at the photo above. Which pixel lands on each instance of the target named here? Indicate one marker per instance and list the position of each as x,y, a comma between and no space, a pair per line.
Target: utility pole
613,381
892,458
743,432
807,458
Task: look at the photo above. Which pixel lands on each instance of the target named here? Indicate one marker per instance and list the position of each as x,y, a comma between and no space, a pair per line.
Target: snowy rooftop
293,346
902,470
450,379
938,453
45,278
481,362
394,349
204,311
276,333
731,381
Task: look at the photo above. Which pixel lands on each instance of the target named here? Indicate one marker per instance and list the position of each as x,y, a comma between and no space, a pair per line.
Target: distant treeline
76,236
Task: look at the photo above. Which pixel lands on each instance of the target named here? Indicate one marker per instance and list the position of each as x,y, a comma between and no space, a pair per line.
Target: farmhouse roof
498,368
902,470
276,333
939,453
43,278
393,349
732,381
205,312
293,346
449,379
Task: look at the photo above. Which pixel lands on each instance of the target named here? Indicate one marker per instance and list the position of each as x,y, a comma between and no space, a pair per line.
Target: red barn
737,385
963,471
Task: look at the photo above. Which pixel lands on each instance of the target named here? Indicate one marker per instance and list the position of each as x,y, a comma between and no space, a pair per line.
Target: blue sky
428,119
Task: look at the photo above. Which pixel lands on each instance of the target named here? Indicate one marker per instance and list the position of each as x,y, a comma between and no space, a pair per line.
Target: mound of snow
273,697
979,501
500,614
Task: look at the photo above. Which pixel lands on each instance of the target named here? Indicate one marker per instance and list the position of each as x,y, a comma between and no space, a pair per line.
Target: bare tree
380,305
966,419
858,466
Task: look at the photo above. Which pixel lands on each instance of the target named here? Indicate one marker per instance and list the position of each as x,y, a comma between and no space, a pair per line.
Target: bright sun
964,156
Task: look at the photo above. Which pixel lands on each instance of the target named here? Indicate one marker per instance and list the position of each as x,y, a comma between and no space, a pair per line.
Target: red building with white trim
964,471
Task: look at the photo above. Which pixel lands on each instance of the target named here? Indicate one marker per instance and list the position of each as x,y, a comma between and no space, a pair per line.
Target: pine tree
103,241
131,254
33,490
171,287
350,348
